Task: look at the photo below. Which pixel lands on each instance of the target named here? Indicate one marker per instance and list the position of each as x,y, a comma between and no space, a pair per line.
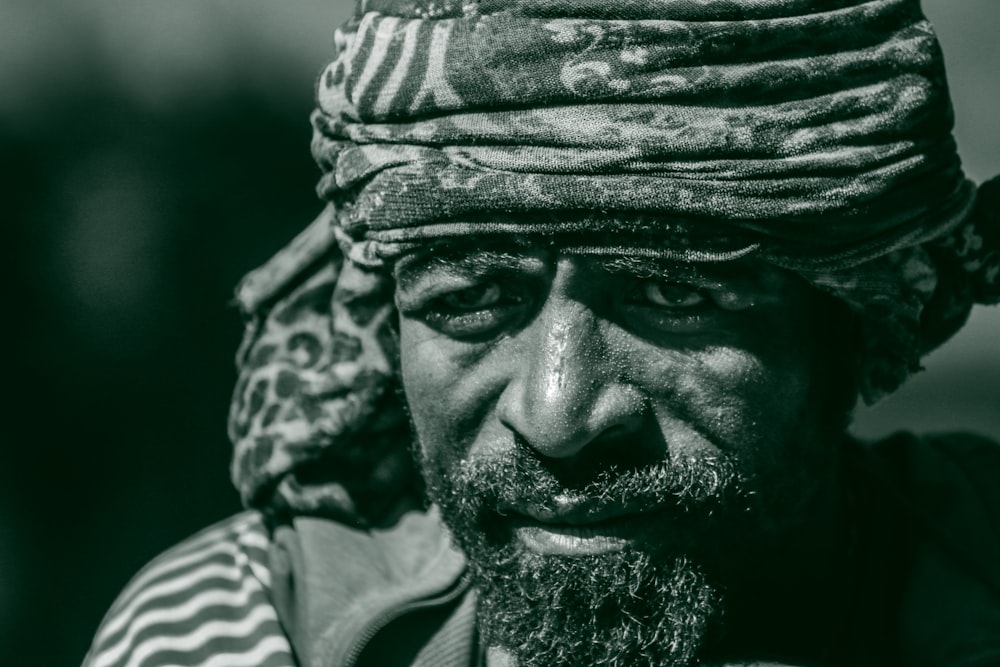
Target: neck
787,600
498,657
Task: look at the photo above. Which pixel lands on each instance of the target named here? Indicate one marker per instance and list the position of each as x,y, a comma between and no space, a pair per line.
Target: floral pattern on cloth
316,425
823,127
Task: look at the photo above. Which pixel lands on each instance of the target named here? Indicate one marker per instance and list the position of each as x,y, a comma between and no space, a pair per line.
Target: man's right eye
473,298
477,311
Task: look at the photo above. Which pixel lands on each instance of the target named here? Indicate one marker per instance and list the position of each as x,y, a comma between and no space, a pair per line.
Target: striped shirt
203,603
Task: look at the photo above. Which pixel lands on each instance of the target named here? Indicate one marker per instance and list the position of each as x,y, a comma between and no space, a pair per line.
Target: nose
566,391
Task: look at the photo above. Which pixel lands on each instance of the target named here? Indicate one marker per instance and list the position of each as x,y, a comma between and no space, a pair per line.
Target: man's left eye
677,296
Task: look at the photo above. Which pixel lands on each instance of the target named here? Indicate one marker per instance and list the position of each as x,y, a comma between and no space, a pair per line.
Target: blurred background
151,153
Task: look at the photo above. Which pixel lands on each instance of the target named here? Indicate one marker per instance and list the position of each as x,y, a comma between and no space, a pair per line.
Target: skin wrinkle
581,386
775,153
572,396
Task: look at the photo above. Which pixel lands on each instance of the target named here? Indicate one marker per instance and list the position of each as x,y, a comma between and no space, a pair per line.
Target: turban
814,135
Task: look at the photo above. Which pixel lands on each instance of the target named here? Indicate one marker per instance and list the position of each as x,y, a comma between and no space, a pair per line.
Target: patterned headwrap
811,134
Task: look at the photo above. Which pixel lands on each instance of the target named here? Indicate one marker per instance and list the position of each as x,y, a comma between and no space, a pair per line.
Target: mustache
518,479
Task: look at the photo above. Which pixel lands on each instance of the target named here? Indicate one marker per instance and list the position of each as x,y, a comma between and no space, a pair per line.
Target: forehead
492,256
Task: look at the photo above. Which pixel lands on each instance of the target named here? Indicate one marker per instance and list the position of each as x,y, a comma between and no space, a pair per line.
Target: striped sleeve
203,603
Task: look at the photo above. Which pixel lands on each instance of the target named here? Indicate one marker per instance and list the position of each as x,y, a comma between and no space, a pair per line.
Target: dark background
152,152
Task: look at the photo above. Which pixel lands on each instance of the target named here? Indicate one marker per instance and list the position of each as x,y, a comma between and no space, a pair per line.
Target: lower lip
581,540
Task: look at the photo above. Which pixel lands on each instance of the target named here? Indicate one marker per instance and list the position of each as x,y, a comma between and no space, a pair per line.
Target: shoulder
204,602
946,489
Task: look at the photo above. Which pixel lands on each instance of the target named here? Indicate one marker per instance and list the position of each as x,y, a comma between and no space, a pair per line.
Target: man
621,270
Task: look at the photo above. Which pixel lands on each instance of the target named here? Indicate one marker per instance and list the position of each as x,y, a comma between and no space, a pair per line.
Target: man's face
616,444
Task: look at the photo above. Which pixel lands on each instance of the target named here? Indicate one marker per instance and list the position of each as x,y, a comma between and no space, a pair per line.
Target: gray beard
610,609
655,603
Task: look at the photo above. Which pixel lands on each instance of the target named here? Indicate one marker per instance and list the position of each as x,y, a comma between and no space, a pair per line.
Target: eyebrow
466,260
512,255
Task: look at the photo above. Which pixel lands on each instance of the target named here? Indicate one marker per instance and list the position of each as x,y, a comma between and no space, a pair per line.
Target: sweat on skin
582,372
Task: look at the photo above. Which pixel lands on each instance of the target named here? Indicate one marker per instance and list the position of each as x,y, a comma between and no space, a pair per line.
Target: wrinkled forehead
507,255
668,240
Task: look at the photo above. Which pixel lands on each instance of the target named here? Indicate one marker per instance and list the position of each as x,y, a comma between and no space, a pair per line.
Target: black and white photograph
500,333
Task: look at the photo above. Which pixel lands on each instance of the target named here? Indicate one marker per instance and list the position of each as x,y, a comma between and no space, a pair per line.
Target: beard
620,608
658,601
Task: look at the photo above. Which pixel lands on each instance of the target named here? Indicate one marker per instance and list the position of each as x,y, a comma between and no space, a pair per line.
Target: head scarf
811,134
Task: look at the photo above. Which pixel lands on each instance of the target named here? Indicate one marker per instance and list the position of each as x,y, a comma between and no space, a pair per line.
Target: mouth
579,530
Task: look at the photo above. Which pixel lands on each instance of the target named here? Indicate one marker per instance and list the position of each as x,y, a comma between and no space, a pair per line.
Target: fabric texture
825,129
204,603
353,597
316,426
812,134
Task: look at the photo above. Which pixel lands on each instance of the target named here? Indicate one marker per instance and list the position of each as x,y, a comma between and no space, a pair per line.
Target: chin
657,595
645,602
618,608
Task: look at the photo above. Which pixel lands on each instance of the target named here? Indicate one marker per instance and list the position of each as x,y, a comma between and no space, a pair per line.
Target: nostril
560,425
615,451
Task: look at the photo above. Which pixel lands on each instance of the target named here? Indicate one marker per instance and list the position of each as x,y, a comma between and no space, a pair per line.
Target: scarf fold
811,134
823,127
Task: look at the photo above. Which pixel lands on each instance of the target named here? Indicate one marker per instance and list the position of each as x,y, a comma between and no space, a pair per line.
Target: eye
660,307
475,312
473,298
677,296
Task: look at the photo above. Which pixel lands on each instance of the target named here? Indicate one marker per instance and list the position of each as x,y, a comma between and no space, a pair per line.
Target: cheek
447,389
424,374
729,398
